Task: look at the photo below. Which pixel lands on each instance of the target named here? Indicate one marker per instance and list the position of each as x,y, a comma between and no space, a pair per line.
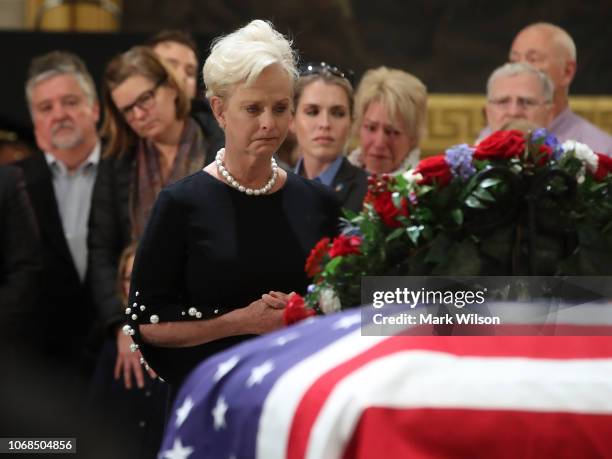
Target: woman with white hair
225,247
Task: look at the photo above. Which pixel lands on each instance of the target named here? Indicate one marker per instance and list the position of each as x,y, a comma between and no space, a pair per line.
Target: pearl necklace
233,182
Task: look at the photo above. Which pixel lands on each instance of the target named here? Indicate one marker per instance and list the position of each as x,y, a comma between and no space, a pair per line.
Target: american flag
321,390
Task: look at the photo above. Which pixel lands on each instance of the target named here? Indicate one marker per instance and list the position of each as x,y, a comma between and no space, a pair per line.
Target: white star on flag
219,413
282,340
225,367
259,373
178,451
347,321
183,411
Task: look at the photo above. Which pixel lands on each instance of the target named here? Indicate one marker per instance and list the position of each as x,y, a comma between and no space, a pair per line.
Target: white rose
411,177
583,153
329,301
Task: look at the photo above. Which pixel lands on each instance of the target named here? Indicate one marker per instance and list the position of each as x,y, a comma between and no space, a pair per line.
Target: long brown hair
139,60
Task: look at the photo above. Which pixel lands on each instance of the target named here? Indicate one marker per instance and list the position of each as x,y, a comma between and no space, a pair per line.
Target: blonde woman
391,109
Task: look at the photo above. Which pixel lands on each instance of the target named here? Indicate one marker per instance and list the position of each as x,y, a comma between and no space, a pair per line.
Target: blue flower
553,143
539,134
550,140
459,159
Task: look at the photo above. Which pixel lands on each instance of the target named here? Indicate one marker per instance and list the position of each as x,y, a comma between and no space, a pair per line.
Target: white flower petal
329,301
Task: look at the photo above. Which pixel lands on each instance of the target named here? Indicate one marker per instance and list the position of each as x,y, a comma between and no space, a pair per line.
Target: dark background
452,46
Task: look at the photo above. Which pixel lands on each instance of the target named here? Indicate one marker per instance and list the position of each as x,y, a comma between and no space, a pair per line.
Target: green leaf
489,182
349,214
395,234
401,182
457,216
484,195
474,203
333,265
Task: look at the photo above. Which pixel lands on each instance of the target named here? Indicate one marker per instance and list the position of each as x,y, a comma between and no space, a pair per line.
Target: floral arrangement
515,204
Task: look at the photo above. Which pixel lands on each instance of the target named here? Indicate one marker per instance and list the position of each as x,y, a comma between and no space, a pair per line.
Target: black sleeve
157,292
105,242
357,192
332,209
20,256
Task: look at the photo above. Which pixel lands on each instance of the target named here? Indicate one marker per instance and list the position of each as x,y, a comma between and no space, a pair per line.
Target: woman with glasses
323,103
391,109
151,142
225,247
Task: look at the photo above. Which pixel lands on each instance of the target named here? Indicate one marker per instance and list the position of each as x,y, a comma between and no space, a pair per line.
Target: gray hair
244,54
520,68
60,63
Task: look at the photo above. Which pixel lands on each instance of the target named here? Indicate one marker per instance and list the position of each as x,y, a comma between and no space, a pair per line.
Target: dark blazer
20,258
350,185
109,233
64,313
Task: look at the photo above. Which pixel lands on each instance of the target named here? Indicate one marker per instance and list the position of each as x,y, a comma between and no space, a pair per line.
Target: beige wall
458,118
82,16
12,14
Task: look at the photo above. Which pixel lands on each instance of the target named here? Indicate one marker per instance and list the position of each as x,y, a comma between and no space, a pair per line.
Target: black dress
212,249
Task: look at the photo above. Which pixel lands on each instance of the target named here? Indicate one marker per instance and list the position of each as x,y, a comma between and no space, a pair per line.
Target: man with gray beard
60,178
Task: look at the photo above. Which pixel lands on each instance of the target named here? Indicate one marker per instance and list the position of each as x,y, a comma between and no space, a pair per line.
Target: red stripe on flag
513,329
545,347
556,329
462,433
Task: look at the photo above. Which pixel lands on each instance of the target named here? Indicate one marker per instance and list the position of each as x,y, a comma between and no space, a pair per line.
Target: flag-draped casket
322,390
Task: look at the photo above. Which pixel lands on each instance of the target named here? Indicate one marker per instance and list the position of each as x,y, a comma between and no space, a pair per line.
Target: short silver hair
242,55
60,63
520,68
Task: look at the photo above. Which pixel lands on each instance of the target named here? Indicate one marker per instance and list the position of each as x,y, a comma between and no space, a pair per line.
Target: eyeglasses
317,68
524,103
145,101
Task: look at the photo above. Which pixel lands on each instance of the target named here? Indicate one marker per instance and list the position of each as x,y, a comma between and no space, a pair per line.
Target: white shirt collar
92,159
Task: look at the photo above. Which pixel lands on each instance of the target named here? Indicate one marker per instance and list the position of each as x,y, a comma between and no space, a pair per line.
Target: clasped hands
276,300
266,314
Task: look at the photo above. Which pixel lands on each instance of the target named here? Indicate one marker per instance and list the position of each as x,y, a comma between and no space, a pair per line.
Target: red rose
434,169
315,259
345,246
383,205
377,183
501,145
296,310
604,167
544,154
